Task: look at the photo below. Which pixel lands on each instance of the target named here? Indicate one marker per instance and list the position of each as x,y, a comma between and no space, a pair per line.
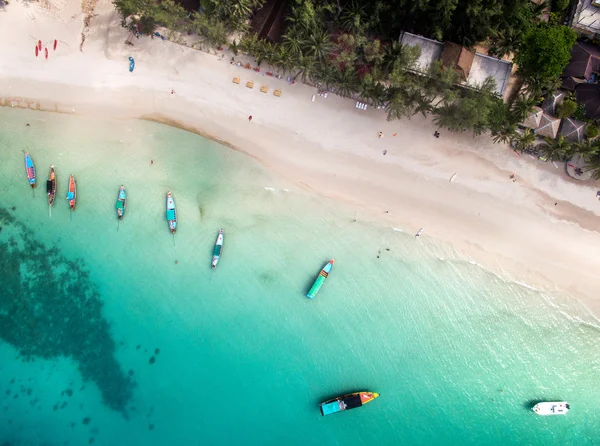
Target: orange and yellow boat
346,402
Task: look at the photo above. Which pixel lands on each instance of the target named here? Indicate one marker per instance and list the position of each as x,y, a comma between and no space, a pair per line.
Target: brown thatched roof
458,57
533,120
548,126
572,129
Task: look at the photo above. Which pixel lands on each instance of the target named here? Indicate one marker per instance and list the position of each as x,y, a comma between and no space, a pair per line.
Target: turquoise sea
121,334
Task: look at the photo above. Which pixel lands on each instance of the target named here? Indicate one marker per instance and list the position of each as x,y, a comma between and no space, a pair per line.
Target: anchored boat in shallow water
51,186
346,402
218,249
171,213
121,202
72,192
320,279
30,170
552,408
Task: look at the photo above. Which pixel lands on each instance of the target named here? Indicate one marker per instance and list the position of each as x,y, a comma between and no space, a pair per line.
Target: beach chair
264,89
236,80
250,84
277,93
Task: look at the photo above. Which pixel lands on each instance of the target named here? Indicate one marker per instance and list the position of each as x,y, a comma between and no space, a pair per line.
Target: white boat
218,249
551,408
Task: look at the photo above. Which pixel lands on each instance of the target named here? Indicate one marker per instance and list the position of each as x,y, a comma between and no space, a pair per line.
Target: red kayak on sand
40,45
55,42
46,53
36,51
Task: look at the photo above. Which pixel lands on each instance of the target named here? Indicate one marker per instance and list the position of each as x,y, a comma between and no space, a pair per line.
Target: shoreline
329,148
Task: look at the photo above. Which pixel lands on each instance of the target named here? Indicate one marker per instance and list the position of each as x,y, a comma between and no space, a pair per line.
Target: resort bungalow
473,67
572,130
586,18
541,123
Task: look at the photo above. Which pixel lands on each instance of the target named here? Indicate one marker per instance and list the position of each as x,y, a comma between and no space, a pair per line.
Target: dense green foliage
545,51
567,108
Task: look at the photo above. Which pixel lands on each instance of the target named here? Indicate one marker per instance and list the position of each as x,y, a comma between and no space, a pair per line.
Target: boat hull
320,280
171,213
346,402
218,249
30,170
51,187
551,408
72,192
121,203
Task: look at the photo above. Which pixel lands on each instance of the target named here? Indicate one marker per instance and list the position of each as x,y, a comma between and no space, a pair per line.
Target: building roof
587,17
570,83
431,50
458,57
589,96
572,129
533,120
481,68
486,66
548,126
551,101
585,58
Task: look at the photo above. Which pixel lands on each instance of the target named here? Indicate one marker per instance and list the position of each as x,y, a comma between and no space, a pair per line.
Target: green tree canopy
545,51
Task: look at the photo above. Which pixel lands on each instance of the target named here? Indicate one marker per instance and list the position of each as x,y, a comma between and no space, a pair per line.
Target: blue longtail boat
30,169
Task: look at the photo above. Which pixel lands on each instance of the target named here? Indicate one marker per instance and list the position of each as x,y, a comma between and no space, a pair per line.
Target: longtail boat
171,213
320,279
218,249
347,402
121,202
51,186
72,193
30,170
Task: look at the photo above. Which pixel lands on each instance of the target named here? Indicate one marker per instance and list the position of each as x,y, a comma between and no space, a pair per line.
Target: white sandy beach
328,146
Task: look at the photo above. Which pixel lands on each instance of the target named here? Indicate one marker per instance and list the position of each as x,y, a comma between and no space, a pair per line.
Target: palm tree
354,17
347,82
521,108
593,164
506,133
524,141
506,42
318,44
556,149
399,55
306,68
292,42
586,149
234,47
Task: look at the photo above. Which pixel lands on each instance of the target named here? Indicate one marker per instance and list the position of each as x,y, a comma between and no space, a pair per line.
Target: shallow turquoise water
457,354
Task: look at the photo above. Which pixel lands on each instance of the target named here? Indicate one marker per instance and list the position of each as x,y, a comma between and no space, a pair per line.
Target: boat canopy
217,250
49,186
171,214
119,204
70,195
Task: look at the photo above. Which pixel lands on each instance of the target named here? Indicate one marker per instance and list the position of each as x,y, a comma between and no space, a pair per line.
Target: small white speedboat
551,408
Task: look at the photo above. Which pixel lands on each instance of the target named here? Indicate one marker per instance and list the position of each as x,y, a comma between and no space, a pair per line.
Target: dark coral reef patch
50,308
